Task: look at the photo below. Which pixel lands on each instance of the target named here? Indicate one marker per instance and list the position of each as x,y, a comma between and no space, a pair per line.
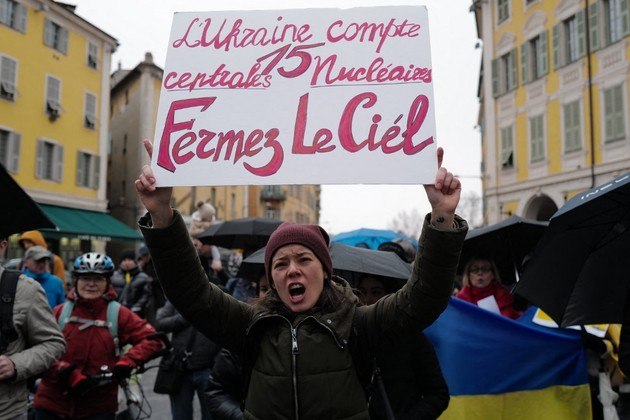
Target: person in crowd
36,259
66,390
36,343
201,220
134,286
624,350
481,282
201,354
146,265
414,385
296,337
55,265
224,391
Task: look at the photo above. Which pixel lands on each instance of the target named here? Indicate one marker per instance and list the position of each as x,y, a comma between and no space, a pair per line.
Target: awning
84,224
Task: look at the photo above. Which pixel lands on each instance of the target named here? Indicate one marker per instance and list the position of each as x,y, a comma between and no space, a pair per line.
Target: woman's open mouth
296,292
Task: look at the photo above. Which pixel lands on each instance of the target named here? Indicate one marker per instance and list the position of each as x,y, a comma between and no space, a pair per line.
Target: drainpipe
590,91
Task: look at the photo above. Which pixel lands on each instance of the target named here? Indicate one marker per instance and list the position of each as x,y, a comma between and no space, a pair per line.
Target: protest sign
312,96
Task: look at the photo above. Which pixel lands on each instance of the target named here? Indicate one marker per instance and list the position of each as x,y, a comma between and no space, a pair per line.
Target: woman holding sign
297,342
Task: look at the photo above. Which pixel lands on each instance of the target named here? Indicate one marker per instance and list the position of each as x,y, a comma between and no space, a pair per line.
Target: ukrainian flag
497,368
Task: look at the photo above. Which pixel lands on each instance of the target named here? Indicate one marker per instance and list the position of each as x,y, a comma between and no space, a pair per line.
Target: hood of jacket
34,236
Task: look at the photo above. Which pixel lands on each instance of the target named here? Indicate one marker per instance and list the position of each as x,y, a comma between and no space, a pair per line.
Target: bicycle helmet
93,263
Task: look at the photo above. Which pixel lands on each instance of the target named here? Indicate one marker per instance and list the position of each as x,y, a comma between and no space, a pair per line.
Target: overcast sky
144,25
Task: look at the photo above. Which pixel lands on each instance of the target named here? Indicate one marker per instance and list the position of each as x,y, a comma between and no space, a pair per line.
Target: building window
572,127
233,206
537,139
13,15
569,40
88,170
56,36
507,147
504,74
272,213
8,78
534,58
615,16
614,121
53,97
9,150
49,161
503,10
90,111
92,55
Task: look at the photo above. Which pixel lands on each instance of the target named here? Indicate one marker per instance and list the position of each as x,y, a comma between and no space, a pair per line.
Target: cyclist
95,327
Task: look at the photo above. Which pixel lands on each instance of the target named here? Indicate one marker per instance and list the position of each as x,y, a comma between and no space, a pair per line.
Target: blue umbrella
371,237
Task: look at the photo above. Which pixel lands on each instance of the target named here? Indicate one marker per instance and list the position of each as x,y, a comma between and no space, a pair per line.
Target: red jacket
504,299
88,350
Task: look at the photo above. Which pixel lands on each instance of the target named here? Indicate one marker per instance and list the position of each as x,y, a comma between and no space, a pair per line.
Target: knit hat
201,219
313,237
127,254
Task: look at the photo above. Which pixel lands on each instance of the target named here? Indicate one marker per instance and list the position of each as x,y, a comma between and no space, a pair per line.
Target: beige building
134,103
554,94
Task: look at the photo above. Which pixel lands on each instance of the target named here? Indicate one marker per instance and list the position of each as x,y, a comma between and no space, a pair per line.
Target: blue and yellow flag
497,368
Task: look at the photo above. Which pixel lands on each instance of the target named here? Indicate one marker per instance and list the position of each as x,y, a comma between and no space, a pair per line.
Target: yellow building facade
54,108
554,101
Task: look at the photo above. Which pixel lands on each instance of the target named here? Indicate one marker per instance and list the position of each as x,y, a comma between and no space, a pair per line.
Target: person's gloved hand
122,371
64,370
80,385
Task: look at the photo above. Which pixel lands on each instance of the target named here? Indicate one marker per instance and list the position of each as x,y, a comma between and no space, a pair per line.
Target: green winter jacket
303,368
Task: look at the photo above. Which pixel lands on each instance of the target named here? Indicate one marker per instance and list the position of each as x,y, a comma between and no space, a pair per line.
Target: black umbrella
506,243
18,211
248,233
346,260
579,271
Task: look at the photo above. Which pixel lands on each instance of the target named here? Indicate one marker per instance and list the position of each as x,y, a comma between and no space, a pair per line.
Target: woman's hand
443,195
156,200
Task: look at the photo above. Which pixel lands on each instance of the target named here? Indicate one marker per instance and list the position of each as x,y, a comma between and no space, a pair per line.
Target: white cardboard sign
312,96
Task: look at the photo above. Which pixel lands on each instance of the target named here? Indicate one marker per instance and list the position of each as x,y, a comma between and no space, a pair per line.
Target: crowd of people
294,340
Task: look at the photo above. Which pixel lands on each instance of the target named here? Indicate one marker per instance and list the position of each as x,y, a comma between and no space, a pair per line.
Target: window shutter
58,162
63,40
39,161
4,12
619,128
581,31
544,55
80,168
13,156
495,78
20,17
593,21
625,17
96,172
49,34
608,114
555,39
513,70
524,47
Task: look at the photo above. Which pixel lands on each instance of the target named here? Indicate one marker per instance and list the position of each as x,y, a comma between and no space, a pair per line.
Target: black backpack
8,286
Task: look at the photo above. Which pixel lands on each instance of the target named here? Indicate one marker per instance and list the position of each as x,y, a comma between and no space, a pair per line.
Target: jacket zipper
295,350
